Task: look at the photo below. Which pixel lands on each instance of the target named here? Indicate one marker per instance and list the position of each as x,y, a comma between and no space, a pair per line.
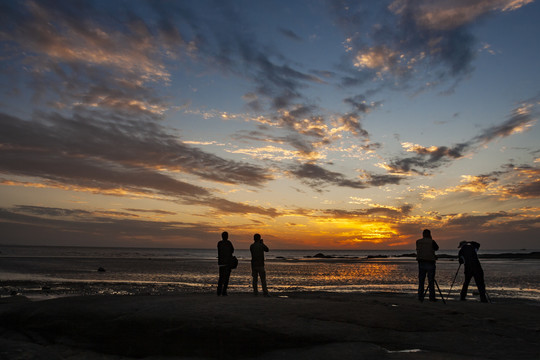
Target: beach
118,303
285,326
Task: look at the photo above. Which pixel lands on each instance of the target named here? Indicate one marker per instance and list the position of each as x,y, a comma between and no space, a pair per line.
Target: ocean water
44,272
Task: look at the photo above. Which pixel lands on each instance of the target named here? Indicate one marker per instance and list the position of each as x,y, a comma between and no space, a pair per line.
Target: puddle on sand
404,351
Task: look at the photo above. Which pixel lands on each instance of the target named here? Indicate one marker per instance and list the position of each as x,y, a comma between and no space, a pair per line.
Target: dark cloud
152,211
402,43
492,230
352,123
359,104
497,230
49,211
520,118
352,120
224,39
308,130
111,57
526,190
524,181
296,141
59,226
126,152
91,154
475,221
222,206
373,211
383,179
406,209
317,177
87,53
279,82
94,174
428,158
290,34
46,226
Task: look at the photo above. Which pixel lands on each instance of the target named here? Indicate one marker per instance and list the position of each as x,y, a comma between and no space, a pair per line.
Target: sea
44,272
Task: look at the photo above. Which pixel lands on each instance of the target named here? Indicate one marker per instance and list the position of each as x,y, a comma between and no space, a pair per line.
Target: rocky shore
289,326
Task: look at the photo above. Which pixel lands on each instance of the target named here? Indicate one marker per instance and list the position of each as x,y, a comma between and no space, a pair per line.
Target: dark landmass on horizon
530,255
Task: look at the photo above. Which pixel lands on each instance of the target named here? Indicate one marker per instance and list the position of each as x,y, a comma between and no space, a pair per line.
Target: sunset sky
318,124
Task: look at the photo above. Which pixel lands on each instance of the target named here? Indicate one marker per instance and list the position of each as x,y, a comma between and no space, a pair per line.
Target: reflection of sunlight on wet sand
391,288
365,272
332,275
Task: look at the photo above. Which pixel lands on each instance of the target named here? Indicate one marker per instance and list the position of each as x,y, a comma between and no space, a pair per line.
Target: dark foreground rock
300,326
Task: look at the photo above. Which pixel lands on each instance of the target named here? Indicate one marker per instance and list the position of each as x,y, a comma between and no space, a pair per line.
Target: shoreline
36,290
293,325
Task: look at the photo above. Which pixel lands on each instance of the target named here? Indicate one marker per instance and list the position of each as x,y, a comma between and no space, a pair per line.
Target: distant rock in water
100,269
377,256
531,255
322,256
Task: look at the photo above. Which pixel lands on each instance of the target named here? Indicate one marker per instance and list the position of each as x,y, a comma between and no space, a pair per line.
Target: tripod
438,288
448,296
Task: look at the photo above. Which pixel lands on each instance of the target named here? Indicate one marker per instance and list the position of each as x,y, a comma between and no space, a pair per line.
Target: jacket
257,250
225,252
425,249
467,255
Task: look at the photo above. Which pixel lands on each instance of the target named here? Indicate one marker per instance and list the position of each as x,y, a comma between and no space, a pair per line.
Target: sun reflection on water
345,274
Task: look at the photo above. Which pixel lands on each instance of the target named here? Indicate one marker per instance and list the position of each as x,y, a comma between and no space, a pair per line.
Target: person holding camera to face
257,249
425,255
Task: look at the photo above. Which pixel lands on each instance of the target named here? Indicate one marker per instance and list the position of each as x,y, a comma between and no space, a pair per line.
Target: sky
318,124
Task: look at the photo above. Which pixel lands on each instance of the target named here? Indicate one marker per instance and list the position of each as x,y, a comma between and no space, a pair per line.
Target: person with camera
468,256
257,249
425,255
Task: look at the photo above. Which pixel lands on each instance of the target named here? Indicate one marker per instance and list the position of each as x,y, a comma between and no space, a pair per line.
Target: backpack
234,262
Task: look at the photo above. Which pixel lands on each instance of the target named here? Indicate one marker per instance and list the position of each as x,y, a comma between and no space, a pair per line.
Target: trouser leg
220,281
480,284
466,282
262,273
421,281
431,282
227,276
223,282
254,275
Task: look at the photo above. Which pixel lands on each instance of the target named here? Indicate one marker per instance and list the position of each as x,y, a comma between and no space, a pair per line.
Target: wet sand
289,326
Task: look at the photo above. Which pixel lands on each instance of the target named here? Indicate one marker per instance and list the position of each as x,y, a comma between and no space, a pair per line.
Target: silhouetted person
425,255
473,269
225,255
257,249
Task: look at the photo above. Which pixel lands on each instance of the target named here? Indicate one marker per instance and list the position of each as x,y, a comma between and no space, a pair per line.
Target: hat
462,243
